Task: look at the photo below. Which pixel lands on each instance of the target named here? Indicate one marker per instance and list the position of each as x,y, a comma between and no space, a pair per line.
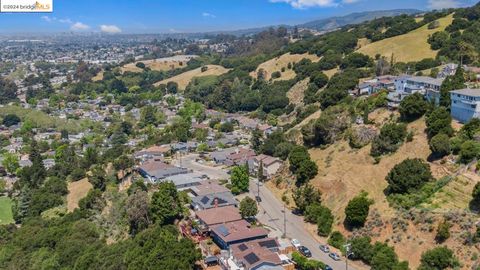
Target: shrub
337,240
438,258
412,107
356,212
440,145
443,231
469,151
389,140
410,174
276,75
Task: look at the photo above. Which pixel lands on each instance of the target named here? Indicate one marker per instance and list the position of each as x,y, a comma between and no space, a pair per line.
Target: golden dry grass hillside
297,92
184,79
160,64
412,46
76,191
277,63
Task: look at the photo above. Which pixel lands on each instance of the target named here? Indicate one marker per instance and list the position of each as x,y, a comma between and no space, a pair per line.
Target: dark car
258,199
297,212
305,251
328,267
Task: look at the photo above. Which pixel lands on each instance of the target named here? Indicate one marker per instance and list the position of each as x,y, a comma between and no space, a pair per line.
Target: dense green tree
439,121
98,178
239,179
10,120
322,216
357,209
450,83
248,207
8,91
337,240
305,196
166,204
413,107
389,140
438,258
409,175
469,151
307,171
440,145
137,211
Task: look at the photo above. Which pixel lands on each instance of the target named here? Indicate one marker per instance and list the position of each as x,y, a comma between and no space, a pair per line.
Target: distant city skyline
188,16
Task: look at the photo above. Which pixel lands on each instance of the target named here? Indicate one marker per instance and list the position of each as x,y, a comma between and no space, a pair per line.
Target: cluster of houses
465,103
243,246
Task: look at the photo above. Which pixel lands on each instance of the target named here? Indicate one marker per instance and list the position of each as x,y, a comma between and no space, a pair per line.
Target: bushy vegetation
391,137
377,255
357,209
408,176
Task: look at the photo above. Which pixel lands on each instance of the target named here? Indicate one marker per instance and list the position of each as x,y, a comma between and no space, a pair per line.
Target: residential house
239,157
235,232
257,254
271,165
465,104
184,181
214,200
153,152
208,187
154,170
407,85
218,215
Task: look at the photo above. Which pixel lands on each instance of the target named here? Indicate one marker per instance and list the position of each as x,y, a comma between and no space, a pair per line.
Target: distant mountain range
326,24
354,18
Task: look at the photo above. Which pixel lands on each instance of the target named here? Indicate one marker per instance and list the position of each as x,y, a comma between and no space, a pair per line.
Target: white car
296,243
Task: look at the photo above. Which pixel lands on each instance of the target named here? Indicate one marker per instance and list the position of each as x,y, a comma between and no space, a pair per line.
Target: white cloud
46,18
209,15
441,4
350,1
302,4
78,26
111,29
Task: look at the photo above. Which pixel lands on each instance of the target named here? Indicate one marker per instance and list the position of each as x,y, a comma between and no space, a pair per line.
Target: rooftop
467,92
238,230
219,215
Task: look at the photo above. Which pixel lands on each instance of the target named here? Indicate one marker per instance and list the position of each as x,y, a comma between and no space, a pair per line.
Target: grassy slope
5,210
412,46
76,191
277,63
184,79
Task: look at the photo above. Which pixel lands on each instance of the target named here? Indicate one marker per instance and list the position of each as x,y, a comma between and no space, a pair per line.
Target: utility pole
284,222
347,253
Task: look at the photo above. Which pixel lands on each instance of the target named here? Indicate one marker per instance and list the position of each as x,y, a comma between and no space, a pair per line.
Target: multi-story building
465,104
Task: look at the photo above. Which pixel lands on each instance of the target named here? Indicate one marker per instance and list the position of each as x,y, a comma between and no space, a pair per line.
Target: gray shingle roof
467,92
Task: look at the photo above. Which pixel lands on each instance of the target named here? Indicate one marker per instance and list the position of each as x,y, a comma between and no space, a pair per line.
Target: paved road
270,212
273,217
189,162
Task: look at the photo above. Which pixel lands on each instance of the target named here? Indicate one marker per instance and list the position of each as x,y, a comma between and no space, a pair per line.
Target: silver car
334,256
325,248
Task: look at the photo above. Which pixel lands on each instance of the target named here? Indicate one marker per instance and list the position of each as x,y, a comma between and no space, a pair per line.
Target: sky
176,16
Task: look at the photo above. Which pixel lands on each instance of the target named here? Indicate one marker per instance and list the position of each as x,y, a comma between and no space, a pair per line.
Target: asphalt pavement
271,214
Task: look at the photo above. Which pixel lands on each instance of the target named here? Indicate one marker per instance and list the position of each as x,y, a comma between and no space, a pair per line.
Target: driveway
271,214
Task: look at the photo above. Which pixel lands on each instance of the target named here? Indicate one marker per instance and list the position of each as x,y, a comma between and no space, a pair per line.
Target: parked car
325,248
258,199
296,243
328,267
305,251
334,256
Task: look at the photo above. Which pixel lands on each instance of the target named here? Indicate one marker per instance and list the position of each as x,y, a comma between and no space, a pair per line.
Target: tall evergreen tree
450,83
